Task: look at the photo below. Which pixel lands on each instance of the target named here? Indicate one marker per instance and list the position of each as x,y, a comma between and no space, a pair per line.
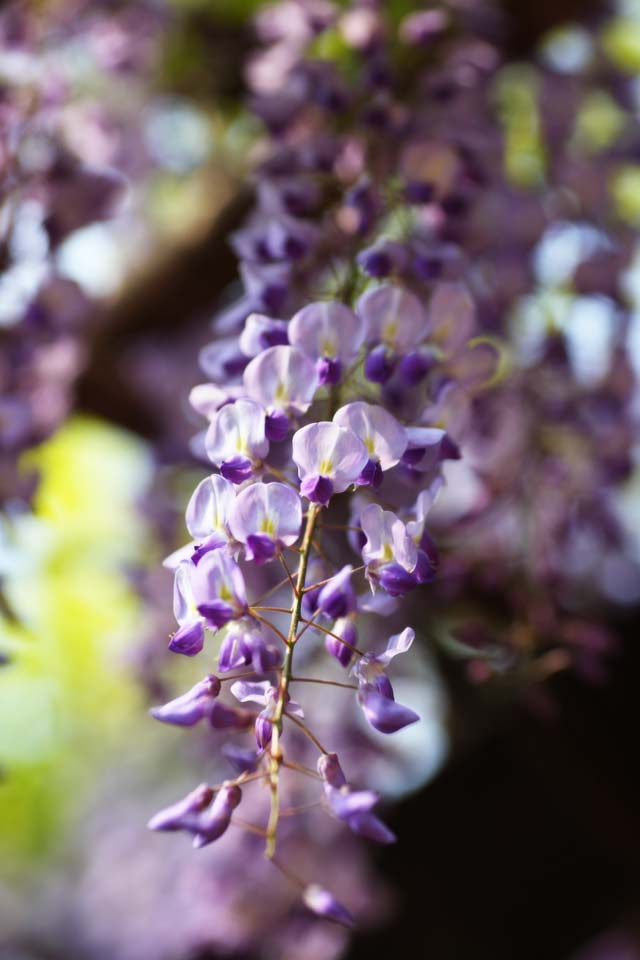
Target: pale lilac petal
260,333
209,508
207,398
382,435
282,378
218,577
393,316
222,361
184,604
173,561
327,450
452,315
366,824
398,643
252,691
272,510
327,329
237,430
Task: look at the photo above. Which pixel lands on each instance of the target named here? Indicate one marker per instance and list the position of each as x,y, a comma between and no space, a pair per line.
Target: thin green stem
285,679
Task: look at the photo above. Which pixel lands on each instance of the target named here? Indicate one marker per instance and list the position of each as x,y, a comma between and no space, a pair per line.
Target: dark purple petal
264,731
379,365
260,548
317,489
384,714
276,426
237,469
396,580
216,613
426,568
337,598
376,262
414,367
212,543
371,476
189,639
329,371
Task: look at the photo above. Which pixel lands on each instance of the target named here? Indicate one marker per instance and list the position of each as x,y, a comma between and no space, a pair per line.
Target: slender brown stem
328,683
302,808
307,732
335,636
300,768
251,827
272,590
273,609
289,575
321,583
268,623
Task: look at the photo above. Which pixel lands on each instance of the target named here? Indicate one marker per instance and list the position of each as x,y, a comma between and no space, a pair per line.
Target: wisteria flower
236,440
341,644
283,379
260,333
196,814
209,593
329,459
389,552
245,643
382,435
351,806
266,517
192,706
330,334
375,693
337,598
395,323
264,693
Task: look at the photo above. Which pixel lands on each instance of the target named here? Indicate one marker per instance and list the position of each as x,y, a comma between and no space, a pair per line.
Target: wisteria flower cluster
293,437
367,350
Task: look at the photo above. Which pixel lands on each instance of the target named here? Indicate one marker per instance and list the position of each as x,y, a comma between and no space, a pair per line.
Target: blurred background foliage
69,699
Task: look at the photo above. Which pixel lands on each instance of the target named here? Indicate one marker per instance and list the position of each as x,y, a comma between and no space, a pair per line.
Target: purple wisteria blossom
198,815
375,693
236,440
192,706
389,552
207,593
395,323
330,334
329,459
382,435
282,379
352,806
265,517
